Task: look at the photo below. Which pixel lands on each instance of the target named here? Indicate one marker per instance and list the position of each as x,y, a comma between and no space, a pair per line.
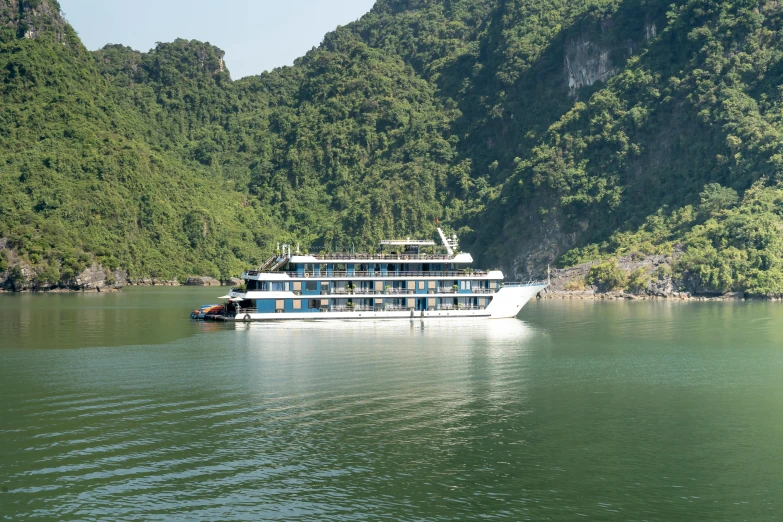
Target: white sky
257,35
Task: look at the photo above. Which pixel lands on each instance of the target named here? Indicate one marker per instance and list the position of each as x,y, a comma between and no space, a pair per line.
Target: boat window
311,286
278,286
313,303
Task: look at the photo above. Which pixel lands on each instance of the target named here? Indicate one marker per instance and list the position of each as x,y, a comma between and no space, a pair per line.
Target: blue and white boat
402,281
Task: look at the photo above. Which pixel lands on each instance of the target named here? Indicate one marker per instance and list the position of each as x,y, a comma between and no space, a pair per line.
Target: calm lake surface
118,407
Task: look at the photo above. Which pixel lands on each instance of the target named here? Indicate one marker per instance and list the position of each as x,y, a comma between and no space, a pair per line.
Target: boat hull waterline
507,303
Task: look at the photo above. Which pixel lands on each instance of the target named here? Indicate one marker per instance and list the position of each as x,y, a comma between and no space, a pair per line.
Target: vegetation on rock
541,130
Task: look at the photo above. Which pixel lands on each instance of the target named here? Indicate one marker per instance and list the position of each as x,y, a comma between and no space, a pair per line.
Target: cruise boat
401,281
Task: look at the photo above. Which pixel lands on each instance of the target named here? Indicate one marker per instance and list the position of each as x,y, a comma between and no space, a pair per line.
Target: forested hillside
544,131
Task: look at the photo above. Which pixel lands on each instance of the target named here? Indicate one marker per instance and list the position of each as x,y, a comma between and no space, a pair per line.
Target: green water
118,407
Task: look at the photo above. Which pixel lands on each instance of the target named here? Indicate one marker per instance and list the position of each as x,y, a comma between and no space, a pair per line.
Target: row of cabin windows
277,286
313,286
411,303
377,267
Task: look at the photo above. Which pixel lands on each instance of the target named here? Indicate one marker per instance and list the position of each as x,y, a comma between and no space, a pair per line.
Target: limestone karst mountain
543,131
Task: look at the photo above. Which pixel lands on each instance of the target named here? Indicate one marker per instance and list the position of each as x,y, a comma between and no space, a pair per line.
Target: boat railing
352,291
344,256
527,283
403,291
355,308
375,273
398,291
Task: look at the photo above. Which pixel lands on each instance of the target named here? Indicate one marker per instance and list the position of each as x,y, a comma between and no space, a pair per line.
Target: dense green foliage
86,175
473,111
607,276
736,247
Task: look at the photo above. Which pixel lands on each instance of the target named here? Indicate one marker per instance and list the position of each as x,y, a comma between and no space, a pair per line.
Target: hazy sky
257,35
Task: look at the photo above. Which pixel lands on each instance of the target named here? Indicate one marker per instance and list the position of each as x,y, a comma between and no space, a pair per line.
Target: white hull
506,303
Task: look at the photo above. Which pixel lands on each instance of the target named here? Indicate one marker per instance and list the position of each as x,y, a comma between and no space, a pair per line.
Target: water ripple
583,411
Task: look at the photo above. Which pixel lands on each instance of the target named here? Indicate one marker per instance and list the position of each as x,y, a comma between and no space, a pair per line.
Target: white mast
445,242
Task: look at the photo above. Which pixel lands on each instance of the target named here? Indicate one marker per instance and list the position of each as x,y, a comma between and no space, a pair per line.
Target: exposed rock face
202,281
98,278
542,243
33,18
20,277
571,283
153,281
573,279
190,58
650,31
586,63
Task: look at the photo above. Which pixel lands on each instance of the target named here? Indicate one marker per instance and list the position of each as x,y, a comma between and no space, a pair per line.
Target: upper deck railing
374,273
339,256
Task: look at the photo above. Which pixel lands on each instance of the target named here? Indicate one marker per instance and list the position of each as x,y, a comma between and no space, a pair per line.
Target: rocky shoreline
654,271
96,278
656,280
620,296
